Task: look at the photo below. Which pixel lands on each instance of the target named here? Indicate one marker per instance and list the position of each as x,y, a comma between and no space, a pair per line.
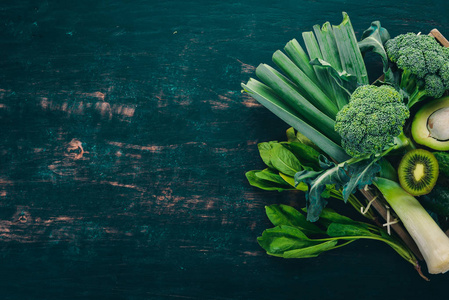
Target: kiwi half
418,172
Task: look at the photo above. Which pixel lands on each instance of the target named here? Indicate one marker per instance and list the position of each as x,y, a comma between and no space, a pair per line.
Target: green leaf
311,251
271,101
291,135
313,93
331,216
343,82
283,238
265,152
284,161
373,40
304,140
307,155
301,59
350,56
361,173
290,180
313,49
340,230
328,45
318,182
271,175
287,215
255,181
289,92
329,50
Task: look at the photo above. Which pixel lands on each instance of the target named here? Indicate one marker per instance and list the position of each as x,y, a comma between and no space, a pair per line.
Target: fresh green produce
291,96
424,64
285,159
312,94
431,240
443,162
430,125
294,237
372,120
437,200
418,172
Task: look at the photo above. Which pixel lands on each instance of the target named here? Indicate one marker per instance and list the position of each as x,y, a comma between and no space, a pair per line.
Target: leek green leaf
271,101
350,56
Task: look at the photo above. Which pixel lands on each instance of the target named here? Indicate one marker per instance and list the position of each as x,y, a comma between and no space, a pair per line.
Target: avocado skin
419,129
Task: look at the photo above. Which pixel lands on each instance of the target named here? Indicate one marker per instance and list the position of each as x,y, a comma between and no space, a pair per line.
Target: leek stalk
430,239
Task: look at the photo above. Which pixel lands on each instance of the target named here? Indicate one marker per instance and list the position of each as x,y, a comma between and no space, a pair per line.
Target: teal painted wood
124,142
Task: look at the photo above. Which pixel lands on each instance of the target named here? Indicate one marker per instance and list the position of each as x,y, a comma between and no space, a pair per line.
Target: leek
430,239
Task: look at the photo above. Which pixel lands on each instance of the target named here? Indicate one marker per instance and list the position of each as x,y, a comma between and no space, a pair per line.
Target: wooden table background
124,143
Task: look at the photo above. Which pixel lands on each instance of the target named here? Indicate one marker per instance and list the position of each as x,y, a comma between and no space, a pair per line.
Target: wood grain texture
124,143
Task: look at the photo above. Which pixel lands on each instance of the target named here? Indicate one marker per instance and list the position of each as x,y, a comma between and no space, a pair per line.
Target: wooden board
124,143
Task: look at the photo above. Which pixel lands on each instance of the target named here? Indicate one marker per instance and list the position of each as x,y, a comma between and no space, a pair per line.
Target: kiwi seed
418,172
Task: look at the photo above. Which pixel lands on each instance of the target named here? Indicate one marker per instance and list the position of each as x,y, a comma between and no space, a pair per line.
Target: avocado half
430,126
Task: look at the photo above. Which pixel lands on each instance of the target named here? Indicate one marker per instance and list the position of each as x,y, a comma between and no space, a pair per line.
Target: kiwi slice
418,172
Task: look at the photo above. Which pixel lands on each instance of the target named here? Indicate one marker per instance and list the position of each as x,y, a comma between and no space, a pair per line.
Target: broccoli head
422,60
371,120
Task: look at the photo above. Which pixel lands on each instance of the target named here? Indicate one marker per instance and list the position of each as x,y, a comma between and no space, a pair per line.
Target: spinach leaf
308,156
301,186
287,215
266,153
291,135
283,238
284,161
267,185
343,230
332,216
289,240
271,175
311,251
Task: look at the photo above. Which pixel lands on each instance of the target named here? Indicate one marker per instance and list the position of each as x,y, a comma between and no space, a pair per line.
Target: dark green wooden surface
157,206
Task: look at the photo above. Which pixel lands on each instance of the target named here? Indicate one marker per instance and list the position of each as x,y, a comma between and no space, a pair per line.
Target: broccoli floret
434,85
444,73
422,60
371,120
413,60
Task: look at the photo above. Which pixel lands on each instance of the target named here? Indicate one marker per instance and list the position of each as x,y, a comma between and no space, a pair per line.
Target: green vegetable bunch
316,93
371,120
425,65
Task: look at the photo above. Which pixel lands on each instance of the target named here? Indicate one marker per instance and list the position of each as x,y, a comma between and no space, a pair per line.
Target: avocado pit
430,126
438,124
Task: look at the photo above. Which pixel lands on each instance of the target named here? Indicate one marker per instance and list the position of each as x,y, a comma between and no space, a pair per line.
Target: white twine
365,210
394,221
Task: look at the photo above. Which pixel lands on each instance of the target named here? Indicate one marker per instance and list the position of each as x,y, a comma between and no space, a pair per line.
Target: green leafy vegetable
361,173
287,215
270,185
294,238
284,161
275,104
373,40
317,182
311,95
